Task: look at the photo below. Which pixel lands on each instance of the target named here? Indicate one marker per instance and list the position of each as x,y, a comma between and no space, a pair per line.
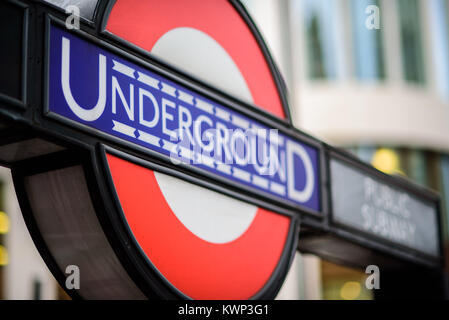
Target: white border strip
149,138
224,115
149,81
207,161
239,122
241,174
171,147
277,188
224,168
260,182
123,69
123,128
187,153
203,105
168,89
185,97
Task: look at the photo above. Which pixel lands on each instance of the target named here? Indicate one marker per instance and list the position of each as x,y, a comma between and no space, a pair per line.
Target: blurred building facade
23,273
382,93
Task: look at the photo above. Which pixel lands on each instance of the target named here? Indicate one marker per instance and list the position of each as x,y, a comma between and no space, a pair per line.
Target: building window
417,167
410,26
319,18
368,48
413,164
4,228
445,192
439,25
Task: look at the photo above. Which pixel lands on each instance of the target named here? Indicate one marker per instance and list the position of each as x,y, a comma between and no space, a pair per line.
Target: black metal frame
115,234
3,97
34,166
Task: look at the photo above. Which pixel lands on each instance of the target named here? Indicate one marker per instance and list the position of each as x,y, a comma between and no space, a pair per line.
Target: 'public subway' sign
365,203
98,89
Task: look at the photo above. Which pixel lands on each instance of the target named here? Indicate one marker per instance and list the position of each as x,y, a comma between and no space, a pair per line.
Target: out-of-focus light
3,256
386,160
4,223
350,290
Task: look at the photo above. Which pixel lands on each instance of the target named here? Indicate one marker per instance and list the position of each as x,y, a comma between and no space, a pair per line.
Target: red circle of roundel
200,269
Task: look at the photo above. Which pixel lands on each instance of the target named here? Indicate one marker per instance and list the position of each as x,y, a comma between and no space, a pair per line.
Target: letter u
84,114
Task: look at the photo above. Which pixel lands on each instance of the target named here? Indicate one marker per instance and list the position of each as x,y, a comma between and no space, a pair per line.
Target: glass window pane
11,63
365,153
87,7
418,167
445,191
368,50
319,21
439,25
410,26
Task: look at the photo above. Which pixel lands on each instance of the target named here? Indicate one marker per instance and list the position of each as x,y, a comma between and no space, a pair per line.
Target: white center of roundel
200,55
209,215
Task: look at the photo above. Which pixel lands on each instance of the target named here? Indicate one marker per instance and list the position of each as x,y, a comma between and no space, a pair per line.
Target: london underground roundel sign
207,245
153,155
170,168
